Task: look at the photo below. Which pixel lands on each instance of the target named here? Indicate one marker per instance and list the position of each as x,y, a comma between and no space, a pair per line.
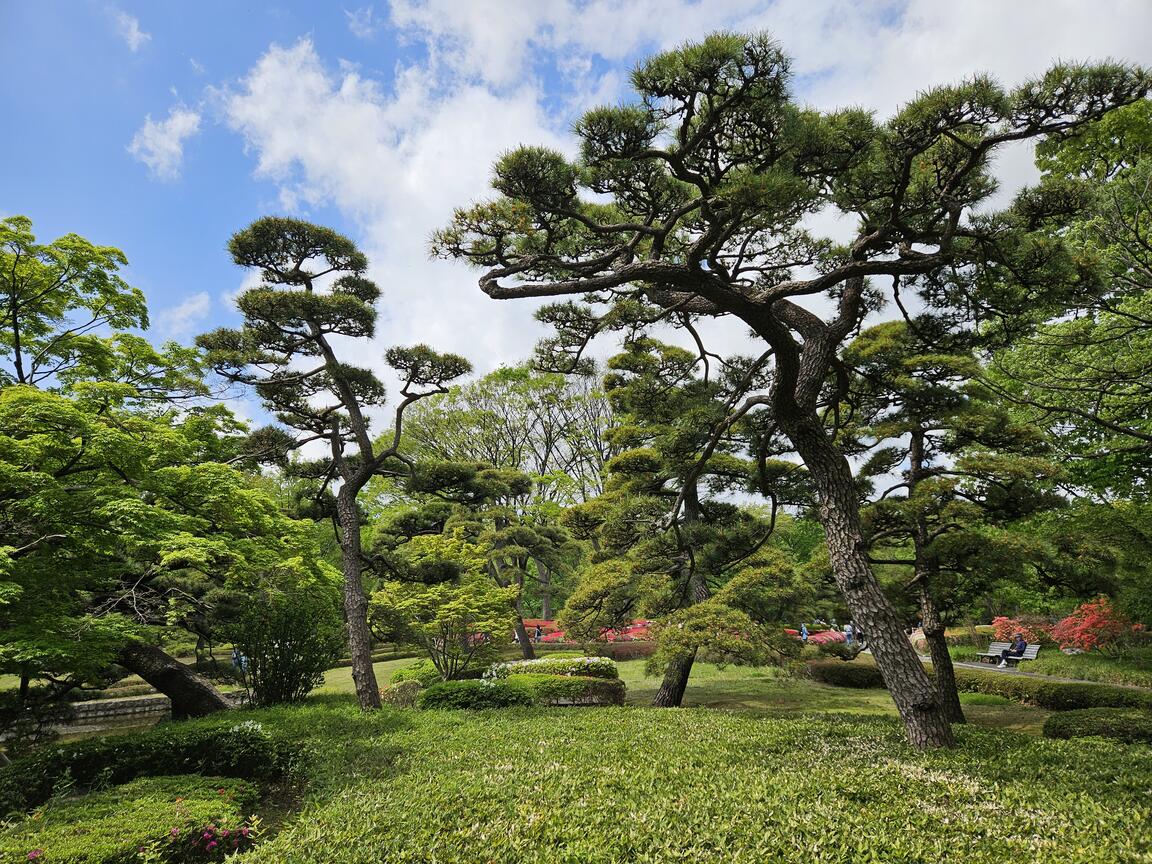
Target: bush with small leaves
487,693
1129,725
402,694
172,819
245,750
588,667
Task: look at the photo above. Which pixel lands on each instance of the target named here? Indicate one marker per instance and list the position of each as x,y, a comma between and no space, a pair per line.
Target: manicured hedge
1121,724
424,671
587,667
243,751
168,815
1052,695
840,674
569,689
523,690
489,693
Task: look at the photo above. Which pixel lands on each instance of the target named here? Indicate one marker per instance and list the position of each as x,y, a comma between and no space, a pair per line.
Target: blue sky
163,127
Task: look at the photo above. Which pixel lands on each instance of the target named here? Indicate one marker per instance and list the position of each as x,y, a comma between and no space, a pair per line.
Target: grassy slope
638,785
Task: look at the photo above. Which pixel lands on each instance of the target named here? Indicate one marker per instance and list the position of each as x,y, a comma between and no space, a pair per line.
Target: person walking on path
848,634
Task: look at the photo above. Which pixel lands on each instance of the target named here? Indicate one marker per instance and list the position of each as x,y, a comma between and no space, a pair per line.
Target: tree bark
526,649
676,674
671,692
925,576
942,669
914,694
545,591
356,602
191,694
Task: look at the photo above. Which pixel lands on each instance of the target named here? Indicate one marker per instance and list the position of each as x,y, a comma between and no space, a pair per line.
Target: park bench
992,655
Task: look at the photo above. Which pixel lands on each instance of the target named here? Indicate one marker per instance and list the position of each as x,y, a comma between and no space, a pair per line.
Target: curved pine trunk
526,649
942,669
191,694
356,603
671,692
914,694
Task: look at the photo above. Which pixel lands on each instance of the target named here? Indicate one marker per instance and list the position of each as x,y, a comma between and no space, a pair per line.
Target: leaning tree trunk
942,669
912,691
191,694
526,649
356,602
676,674
671,692
545,578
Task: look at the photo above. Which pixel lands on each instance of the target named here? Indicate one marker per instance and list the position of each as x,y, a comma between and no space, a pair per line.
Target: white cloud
363,22
397,156
160,144
128,26
183,321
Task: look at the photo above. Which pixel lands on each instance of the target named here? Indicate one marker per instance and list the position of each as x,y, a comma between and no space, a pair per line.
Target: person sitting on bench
1017,650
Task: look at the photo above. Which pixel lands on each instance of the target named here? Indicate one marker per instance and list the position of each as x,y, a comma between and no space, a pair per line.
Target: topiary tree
702,187
314,291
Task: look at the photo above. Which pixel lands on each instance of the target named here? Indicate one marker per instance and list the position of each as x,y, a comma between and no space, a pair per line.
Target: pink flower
34,854
174,831
211,845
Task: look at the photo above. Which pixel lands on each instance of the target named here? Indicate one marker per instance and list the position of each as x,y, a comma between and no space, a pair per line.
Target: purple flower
34,854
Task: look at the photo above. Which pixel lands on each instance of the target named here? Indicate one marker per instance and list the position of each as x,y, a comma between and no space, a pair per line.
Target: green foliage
244,750
169,815
288,640
1120,724
402,694
548,689
837,789
589,667
424,672
52,296
1053,695
528,688
487,693
858,675
455,622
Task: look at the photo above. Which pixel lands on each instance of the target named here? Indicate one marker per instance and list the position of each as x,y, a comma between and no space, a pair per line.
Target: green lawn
599,786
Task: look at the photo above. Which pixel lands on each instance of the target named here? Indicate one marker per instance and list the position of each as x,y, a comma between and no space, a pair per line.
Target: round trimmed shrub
401,695
423,671
840,674
1131,726
587,667
489,693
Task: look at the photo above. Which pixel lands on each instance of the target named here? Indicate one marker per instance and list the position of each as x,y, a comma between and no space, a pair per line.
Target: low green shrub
621,651
489,693
572,689
1121,724
424,671
588,667
174,818
244,751
840,674
1052,695
402,694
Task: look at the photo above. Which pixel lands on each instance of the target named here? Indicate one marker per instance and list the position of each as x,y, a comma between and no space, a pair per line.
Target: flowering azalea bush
1036,631
1096,624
